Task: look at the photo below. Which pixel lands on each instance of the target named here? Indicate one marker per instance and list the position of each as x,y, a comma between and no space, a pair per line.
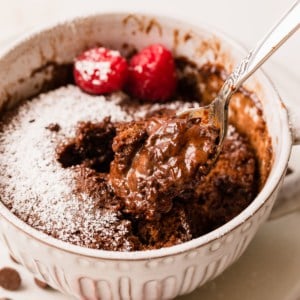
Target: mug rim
269,187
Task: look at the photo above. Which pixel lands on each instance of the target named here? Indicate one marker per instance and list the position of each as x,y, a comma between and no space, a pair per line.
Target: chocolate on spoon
217,111
173,155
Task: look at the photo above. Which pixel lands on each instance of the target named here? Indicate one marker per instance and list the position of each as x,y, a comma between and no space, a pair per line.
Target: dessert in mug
103,162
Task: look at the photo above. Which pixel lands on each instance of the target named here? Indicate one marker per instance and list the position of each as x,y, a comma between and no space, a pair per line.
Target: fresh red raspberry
152,74
100,71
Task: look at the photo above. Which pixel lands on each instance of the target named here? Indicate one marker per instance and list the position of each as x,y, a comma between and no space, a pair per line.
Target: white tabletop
270,267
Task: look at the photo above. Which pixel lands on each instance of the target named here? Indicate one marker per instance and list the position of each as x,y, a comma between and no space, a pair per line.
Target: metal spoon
216,113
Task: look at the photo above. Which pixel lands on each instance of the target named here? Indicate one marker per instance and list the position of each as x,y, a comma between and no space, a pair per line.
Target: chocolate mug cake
118,171
41,64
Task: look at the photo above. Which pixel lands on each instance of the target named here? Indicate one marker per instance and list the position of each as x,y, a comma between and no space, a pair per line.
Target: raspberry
100,71
152,74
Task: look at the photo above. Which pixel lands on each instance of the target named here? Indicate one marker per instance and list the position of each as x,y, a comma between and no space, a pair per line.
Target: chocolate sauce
170,156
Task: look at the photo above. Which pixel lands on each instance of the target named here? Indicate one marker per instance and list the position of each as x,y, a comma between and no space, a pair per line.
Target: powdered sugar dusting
89,68
36,187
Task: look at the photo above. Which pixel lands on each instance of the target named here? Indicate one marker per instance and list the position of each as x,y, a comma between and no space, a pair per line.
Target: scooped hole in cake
92,146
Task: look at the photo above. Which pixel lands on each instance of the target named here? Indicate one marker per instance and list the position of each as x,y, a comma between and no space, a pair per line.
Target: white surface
245,20
270,268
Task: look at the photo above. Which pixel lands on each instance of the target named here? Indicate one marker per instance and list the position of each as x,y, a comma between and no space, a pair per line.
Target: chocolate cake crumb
95,185
10,279
53,127
232,183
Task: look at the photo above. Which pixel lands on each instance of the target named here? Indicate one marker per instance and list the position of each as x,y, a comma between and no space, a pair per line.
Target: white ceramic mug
156,274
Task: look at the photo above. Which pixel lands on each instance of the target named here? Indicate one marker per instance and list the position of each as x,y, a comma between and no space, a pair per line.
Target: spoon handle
288,24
